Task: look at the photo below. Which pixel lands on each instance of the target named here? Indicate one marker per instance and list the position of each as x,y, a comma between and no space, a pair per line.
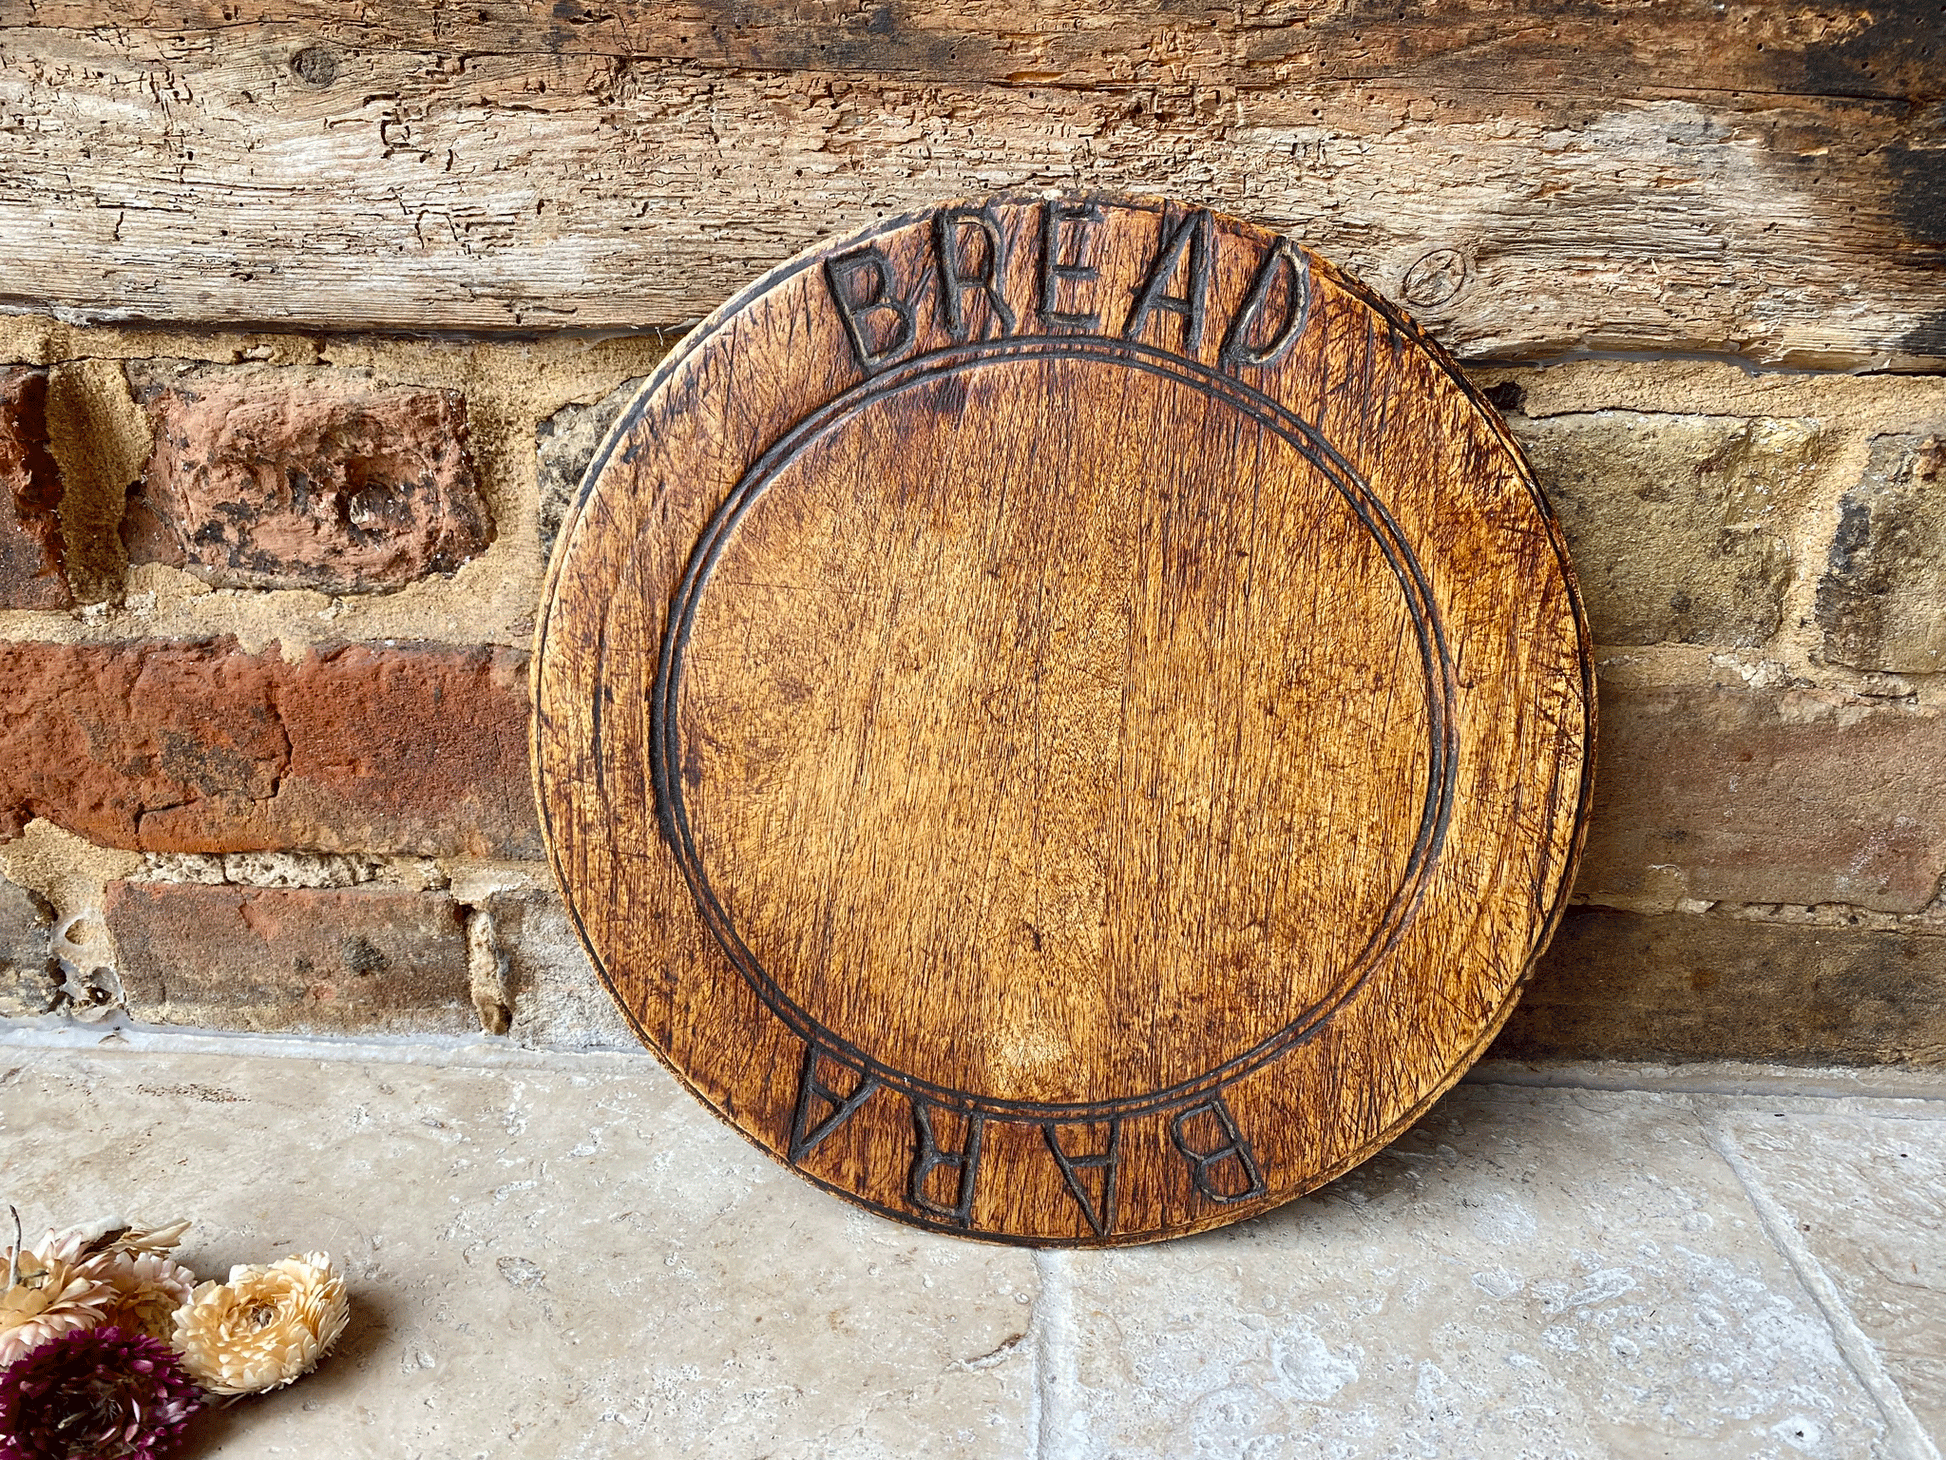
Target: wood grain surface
1761,180
1063,718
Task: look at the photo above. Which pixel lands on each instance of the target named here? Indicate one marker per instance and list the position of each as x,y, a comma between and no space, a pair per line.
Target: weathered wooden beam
1763,181
1887,50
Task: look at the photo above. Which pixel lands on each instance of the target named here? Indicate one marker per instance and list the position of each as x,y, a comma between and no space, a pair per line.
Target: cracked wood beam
1887,51
1766,182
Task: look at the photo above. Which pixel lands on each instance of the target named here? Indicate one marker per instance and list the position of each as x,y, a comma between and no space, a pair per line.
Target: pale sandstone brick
564,446
1678,524
29,977
1882,600
557,997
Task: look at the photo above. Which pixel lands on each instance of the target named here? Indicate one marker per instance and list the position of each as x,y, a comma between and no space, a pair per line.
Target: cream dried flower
263,1328
50,1296
147,1289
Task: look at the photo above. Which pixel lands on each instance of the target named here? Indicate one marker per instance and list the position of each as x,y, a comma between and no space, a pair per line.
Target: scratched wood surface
1064,720
1760,178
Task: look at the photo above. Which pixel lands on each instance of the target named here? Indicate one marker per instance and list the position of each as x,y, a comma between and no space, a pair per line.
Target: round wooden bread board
1063,719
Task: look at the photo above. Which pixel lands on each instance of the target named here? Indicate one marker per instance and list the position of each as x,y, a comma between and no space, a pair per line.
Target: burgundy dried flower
98,1394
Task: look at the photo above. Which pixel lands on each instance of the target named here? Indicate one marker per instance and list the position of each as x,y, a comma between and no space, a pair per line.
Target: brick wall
265,602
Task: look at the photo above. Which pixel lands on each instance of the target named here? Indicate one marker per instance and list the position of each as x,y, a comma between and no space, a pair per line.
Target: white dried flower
50,1296
146,1290
263,1328
77,1244
151,1239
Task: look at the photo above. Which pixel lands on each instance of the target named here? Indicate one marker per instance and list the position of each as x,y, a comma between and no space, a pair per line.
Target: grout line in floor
1042,1365
1055,1410
1857,1349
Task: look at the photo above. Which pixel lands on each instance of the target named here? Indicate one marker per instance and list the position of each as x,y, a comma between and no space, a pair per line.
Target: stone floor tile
1530,1274
569,1258
1863,1190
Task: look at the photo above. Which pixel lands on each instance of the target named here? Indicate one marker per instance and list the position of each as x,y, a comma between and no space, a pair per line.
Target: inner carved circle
1026,758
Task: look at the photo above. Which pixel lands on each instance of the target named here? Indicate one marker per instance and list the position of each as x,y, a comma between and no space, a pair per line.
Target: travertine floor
562,1255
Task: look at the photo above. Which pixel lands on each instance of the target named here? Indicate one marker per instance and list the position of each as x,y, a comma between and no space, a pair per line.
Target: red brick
199,747
1685,986
269,479
31,573
1766,796
362,959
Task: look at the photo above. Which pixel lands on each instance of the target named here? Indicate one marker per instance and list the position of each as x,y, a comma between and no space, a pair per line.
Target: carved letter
856,309
1237,349
1230,1146
929,1157
1193,234
1053,270
810,1125
1100,1211
956,275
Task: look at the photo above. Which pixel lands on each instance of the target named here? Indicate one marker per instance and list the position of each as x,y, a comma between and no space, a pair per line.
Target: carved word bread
1065,720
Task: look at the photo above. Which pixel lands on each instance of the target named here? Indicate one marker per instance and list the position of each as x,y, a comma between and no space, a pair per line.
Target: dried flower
125,1238
78,1244
72,1245
71,1279
99,1394
146,1289
263,1328
50,1296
